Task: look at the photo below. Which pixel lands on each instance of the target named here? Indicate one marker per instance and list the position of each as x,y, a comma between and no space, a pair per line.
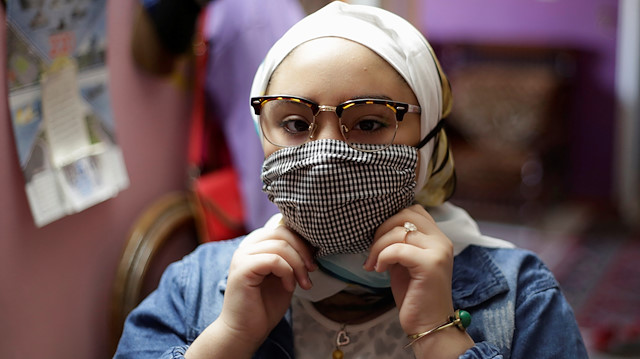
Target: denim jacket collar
476,278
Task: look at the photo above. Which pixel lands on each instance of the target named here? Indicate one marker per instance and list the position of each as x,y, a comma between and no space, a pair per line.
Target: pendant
341,340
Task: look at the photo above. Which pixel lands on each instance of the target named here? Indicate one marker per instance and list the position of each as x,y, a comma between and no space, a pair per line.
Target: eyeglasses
367,125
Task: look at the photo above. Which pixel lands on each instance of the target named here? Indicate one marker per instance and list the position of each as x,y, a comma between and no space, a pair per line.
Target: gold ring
408,227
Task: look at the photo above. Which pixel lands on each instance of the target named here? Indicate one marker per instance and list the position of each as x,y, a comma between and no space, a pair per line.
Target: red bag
217,199
218,205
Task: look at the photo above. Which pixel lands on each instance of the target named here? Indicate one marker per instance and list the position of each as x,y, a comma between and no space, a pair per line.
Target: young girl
366,259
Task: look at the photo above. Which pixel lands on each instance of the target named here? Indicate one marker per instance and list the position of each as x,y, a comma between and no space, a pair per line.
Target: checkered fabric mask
335,196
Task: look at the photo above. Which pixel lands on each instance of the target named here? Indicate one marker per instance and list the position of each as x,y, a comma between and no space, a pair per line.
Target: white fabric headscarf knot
390,36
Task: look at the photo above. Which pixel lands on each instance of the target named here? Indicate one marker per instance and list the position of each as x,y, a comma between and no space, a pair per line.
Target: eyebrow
358,97
377,97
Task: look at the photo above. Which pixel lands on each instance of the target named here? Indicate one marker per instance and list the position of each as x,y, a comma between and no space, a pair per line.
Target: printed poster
60,107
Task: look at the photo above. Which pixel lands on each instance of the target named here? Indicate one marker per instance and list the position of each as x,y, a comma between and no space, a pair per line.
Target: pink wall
55,281
585,25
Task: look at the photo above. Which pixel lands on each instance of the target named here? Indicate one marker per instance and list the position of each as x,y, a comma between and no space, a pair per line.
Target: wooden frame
150,232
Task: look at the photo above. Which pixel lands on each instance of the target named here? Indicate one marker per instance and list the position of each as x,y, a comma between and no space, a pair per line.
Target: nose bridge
327,124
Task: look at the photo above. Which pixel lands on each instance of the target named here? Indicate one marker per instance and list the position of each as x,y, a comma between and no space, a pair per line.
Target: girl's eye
295,126
369,125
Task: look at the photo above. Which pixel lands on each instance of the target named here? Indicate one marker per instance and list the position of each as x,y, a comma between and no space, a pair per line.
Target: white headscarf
405,48
390,36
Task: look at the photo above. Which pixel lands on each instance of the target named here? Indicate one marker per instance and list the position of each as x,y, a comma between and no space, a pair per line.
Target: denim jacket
517,307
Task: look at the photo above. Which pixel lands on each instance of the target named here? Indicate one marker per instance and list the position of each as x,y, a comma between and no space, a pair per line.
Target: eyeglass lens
288,123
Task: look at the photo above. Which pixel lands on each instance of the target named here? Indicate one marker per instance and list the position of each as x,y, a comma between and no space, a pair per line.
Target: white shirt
315,335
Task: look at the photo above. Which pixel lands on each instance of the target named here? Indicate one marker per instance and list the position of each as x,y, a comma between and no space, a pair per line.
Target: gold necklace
342,339
356,309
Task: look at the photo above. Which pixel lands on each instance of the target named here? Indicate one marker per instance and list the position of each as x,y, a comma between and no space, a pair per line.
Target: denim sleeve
175,352
156,328
482,350
531,319
545,324
546,328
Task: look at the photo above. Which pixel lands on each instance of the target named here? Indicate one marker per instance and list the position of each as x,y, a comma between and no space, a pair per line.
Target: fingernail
365,266
306,283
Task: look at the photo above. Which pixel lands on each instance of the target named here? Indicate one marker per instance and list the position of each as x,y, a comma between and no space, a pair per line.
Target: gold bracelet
461,319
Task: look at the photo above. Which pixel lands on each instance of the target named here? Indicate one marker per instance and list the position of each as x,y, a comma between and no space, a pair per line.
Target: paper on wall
60,106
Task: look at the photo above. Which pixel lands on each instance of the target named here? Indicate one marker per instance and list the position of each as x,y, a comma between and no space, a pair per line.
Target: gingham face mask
335,196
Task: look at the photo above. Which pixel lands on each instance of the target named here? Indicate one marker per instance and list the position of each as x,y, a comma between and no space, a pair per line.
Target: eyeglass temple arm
401,111
414,109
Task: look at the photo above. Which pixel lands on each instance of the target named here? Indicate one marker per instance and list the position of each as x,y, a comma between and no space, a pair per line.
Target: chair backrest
164,233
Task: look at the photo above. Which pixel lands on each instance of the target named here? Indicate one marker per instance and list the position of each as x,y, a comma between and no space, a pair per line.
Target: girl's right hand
263,274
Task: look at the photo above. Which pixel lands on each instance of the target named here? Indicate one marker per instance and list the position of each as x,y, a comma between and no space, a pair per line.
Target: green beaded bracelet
461,319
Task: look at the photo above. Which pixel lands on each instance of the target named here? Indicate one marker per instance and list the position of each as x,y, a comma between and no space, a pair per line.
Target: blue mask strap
339,277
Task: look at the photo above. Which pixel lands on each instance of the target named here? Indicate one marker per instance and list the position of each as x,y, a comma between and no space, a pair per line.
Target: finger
285,234
406,256
411,243
411,239
430,267
284,250
415,213
395,235
394,230
265,264
300,245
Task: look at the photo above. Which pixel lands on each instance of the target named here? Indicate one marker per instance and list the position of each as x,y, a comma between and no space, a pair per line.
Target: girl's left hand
420,264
